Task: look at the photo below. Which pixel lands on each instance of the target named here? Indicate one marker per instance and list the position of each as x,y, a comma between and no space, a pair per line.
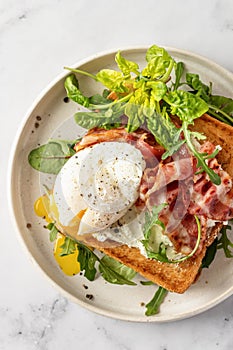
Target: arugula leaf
152,307
51,157
126,66
225,243
87,260
68,247
146,283
110,269
53,231
73,92
115,272
201,157
210,254
152,219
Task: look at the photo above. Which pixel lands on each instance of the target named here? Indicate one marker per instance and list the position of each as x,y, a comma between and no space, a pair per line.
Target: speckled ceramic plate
50,116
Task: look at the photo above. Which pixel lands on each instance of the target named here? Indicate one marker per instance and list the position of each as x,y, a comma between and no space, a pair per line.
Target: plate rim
10,195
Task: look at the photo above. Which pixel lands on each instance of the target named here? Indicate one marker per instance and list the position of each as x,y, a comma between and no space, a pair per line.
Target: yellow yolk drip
68,263
43,206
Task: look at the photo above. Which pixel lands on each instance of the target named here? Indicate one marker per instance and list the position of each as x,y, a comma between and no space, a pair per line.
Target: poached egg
97,186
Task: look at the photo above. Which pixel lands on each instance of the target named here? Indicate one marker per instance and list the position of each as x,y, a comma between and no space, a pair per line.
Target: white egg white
103,180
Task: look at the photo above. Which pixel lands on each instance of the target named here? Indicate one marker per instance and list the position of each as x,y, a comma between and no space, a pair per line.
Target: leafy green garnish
51,157
164,131
103,119
73,92
219,107
179,69
201,157
53,231
225,243
210,254
146,283
111,270
147,98
186,105
126,66
160,64
68,247
115,272
152,308
87,260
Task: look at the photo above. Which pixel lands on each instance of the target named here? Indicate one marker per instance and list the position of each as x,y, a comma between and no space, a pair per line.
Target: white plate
121,302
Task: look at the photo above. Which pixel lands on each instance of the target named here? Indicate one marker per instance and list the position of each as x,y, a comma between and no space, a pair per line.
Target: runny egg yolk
68,263
41,208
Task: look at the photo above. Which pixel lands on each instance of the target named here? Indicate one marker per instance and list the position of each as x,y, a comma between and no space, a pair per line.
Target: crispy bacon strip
141,139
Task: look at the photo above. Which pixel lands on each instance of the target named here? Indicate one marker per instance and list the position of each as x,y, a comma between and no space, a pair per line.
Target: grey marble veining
36,39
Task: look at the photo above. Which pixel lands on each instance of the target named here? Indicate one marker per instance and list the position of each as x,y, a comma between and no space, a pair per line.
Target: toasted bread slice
219,134
177,277
174,277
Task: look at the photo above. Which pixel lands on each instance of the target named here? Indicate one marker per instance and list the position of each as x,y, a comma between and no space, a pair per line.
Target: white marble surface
37,37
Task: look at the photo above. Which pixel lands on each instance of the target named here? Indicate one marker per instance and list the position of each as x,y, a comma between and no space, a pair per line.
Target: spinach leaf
210,254
115,272
98,100
224,103
152,307
51,157
225,243
221,108
53,231
135,116
103,119
73,92
68,247
196,84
